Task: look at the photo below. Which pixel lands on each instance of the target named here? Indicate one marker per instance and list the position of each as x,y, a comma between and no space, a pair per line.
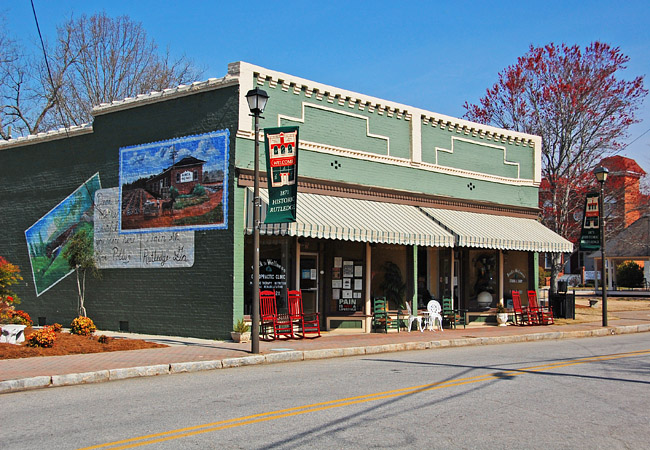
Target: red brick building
624,204
183,175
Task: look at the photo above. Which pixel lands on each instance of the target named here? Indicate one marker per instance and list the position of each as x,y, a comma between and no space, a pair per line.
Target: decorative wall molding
479,130
336,111
245,178
498,147
403,162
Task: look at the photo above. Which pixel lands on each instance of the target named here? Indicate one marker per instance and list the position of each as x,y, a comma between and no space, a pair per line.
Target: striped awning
499,232
327,217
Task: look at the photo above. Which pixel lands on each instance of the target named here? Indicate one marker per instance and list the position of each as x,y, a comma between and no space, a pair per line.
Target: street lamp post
601,175
256,103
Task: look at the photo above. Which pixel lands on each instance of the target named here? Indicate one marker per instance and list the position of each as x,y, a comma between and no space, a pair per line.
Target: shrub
57,327
103,339
198,190
629,274
9,274
44,337
82,326
16,317
21,317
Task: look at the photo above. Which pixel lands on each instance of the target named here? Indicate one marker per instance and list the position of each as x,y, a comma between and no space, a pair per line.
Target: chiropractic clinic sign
282,173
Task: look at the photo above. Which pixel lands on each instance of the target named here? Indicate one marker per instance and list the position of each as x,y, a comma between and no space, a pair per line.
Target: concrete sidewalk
190,355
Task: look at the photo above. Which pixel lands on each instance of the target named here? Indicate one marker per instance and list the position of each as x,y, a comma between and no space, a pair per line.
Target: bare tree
576,101
95,60
14,80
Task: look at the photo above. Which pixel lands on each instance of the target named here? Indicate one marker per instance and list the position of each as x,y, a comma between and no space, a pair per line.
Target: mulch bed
69,344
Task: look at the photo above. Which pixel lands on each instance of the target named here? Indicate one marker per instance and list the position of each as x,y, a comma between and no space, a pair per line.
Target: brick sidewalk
194,354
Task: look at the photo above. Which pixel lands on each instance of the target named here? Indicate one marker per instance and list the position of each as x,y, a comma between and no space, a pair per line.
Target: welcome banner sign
590,235
282,173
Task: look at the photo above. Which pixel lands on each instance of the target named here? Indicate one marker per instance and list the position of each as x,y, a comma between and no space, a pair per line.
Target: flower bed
67,344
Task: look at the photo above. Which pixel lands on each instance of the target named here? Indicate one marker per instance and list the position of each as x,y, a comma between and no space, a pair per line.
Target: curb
298,355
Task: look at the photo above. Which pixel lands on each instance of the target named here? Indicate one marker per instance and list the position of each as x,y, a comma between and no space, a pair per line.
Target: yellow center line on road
297,410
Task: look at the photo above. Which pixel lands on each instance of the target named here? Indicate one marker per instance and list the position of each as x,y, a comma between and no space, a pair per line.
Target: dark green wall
196,301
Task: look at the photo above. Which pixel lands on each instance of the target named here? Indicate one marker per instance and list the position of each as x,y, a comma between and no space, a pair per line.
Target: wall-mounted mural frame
47,238
175,185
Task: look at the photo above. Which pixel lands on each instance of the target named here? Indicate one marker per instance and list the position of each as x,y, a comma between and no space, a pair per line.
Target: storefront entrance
309,275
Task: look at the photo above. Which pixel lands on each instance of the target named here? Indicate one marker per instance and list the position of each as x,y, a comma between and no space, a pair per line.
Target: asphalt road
582,393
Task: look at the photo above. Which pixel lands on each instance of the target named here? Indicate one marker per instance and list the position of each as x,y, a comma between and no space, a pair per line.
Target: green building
164,181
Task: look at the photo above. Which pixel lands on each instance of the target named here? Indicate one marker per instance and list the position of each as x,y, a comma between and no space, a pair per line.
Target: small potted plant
502,315
13,324
241,332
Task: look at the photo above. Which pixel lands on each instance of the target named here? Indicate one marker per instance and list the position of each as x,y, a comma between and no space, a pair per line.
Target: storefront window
515,267
346,278
444,275
275,269
482,283
424,295
389,273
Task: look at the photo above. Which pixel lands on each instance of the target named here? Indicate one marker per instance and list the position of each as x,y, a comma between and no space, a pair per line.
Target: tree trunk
81,286
556,268
83,294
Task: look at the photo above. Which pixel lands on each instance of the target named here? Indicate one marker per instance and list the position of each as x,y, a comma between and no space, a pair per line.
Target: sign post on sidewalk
601,175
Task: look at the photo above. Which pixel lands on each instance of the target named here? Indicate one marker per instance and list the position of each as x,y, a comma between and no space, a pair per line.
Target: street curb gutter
297,355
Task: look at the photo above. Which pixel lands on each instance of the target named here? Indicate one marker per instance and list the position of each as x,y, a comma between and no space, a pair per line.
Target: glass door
309,281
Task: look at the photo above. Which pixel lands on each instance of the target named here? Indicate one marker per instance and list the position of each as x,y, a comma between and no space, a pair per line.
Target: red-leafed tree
576,100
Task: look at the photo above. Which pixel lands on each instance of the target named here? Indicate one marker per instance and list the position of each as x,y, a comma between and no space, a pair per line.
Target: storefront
393,201
342,252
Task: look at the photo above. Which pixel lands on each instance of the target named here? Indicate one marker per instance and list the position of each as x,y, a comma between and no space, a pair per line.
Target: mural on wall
162,249
47,238
174,185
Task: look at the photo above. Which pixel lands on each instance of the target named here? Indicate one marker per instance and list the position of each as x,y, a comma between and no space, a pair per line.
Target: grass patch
213,216
190,200
49,272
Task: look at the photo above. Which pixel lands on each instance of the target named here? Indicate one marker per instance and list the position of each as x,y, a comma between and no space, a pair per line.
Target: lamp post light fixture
601,175
256,103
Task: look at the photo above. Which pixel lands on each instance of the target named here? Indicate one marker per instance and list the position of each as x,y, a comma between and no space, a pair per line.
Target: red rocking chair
522,315
272,324
544,316
304,322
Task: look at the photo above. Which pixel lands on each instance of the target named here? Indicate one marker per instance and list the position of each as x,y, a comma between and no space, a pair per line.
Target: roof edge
166,94
46,136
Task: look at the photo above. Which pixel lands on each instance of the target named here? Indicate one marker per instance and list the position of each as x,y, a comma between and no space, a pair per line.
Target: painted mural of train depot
175,185
48,237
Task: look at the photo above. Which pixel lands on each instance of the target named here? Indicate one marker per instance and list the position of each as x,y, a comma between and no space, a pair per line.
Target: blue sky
151,159
429,54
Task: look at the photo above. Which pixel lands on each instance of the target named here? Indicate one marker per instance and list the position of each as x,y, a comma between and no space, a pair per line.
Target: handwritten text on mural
143,250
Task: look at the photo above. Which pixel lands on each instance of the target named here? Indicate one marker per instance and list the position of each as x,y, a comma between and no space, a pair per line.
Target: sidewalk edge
99,376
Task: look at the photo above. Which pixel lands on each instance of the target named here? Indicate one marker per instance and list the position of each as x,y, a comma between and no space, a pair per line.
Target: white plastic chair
412,318
434,309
